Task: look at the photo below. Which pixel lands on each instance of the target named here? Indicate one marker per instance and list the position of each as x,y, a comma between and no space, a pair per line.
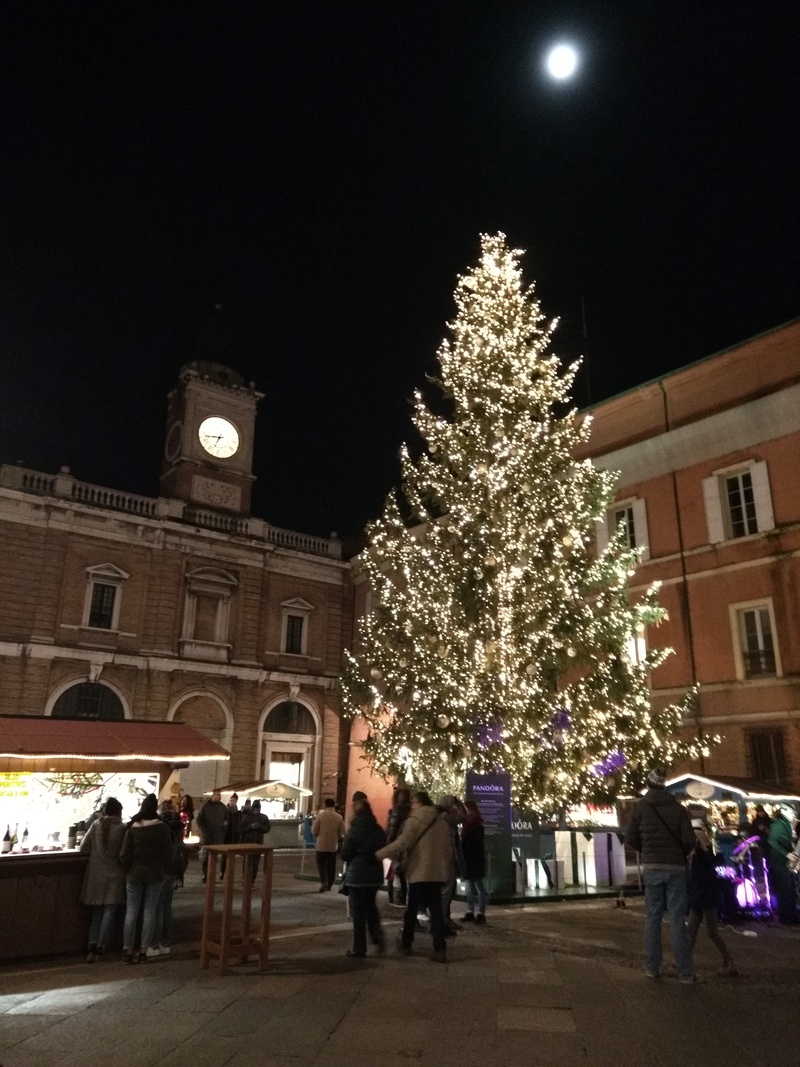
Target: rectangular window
101,608
767,755
623,520
205,618
294,635
741,504
758,649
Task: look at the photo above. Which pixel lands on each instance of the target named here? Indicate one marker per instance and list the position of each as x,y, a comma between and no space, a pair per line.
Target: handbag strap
430,824
668,828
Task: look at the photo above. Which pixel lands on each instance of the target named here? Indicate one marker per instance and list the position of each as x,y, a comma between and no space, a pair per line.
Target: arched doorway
289,751
209,715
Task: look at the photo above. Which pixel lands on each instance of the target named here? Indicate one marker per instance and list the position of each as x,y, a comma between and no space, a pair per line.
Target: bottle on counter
25,838
71,835
6,847
15,839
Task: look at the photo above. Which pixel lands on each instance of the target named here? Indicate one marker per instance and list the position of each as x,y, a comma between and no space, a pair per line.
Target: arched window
89,700
290,717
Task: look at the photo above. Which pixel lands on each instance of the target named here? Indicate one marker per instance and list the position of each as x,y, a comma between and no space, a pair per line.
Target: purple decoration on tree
613,762
561,720
490,733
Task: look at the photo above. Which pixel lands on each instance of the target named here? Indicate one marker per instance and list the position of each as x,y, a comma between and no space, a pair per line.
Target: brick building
182,607
709,458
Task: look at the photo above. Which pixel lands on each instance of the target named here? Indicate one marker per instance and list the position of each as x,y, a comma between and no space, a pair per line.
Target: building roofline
688,366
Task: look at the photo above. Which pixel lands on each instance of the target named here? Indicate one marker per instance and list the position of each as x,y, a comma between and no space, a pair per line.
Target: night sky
323,170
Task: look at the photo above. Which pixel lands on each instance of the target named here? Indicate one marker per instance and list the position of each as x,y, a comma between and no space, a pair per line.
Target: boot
728,970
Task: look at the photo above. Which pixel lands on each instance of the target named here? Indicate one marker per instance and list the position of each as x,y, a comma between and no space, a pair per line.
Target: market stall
54,774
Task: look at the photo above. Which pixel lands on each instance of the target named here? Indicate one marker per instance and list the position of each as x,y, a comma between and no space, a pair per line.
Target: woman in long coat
103,886
363,874
474,849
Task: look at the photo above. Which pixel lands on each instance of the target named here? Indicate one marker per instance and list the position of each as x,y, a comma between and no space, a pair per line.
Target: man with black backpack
661,830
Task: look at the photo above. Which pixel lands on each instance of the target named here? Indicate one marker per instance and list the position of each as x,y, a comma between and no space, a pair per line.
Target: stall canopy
271,788
738,790
32,738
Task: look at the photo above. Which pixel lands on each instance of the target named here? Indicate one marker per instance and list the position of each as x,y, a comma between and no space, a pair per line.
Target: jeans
476,895
163,928
139,893
422,895
326,865
364,913
101,924
665,890
696,916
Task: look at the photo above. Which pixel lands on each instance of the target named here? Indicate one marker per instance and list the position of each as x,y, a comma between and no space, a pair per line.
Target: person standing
186,813
173,875
398,813
363,875
779,845
103,886
233,834
328,829
253,829
426,842
704,896
659,828
145,857
473,846
212,821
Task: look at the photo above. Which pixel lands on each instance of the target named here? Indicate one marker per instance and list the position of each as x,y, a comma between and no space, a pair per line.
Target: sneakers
690,979
468,918
728,970
152,952
653,974
164,950
480,920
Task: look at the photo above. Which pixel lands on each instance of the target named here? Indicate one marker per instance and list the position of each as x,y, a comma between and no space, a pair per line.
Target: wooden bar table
230,942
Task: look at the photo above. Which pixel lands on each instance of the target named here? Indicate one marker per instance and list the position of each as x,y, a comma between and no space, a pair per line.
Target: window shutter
716,527
762,496
640,526
602,535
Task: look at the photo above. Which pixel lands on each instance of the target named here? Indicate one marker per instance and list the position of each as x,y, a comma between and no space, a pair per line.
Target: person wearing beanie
145,857
103,886
659,828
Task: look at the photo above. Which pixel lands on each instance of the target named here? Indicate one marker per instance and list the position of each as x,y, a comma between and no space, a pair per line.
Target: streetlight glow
562,61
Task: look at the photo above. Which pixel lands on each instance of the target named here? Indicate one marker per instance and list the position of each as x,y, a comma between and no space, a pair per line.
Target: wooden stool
240,944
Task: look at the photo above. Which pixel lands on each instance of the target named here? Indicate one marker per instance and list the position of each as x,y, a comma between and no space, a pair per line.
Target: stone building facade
179,607
709,491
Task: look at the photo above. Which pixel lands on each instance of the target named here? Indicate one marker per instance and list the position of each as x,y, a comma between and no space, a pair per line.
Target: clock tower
208,452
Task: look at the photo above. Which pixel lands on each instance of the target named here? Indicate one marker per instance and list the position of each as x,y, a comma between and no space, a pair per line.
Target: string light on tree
491,617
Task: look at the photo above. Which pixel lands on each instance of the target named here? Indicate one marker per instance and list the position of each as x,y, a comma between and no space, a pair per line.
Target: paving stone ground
550,985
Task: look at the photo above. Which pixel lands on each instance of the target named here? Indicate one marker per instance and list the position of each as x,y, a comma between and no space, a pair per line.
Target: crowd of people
425,847
680,874
140,864
137,864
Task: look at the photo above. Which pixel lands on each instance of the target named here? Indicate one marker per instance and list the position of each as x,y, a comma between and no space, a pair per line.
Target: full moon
562,61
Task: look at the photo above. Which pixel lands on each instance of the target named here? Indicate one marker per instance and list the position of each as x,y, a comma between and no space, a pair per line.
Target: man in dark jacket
661,830
212,821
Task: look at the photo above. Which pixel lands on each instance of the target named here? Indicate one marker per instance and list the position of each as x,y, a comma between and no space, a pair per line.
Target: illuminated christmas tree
496,639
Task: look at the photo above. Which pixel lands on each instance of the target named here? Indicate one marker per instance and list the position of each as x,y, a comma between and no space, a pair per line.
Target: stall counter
40,913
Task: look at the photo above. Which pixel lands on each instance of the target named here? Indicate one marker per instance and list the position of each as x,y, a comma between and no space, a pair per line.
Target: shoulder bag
399,863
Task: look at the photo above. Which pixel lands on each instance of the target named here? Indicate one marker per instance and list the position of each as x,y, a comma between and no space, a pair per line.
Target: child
704,896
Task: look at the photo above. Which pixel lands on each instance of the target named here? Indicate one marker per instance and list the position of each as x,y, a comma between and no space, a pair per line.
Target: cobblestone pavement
550,985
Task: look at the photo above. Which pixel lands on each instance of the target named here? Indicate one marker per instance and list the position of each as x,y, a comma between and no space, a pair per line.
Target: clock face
219,437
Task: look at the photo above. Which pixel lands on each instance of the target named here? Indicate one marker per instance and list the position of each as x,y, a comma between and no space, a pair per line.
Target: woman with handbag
363,875
427,844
